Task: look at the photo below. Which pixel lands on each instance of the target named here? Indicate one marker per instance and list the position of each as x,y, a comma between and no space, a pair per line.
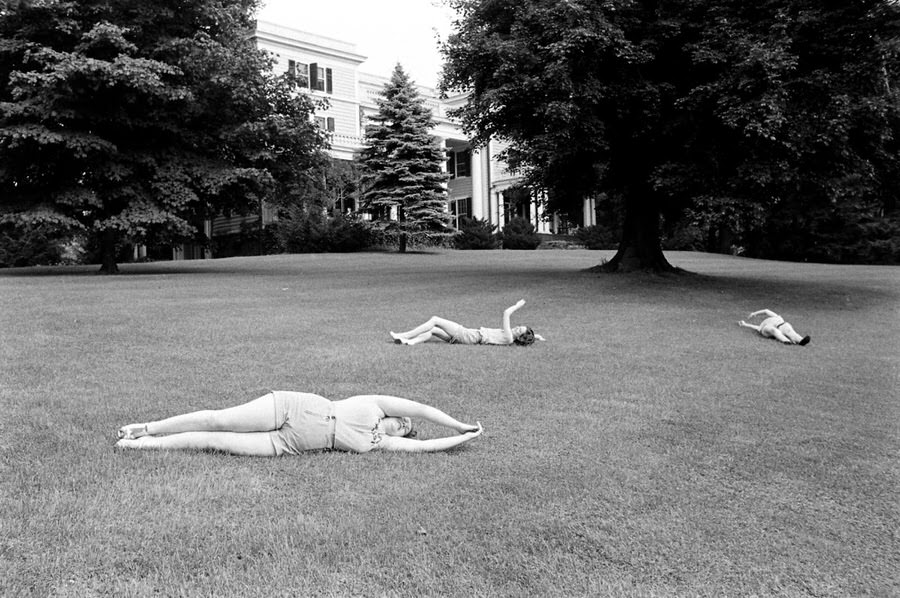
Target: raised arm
411,445
766,312
509,311
397,407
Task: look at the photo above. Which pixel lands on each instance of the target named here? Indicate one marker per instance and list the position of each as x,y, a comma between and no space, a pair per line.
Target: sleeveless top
356,426
494,336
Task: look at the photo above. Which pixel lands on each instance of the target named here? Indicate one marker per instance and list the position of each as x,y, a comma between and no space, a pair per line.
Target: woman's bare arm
509,311
766,312
411,445
398,407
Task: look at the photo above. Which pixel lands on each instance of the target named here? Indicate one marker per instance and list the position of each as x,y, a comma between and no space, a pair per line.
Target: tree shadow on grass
125,271
764,290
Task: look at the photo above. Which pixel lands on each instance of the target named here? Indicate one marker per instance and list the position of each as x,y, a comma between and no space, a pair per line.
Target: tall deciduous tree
135,120
403,163
735,109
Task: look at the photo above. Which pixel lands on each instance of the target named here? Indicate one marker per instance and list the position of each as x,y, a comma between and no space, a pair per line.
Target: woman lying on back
453,333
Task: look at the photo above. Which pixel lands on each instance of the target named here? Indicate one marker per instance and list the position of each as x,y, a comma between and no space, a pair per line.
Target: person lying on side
290,423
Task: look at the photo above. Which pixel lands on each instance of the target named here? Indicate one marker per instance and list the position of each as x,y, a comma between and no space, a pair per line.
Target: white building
329,68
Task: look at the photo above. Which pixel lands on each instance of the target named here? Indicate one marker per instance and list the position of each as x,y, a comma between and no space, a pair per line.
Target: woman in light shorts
289,423
451,332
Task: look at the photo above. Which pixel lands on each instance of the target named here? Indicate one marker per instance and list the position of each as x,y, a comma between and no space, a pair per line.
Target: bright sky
387,31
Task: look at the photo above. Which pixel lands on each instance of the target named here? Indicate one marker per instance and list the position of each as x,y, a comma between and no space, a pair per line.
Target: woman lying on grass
775,327
453,333
283,422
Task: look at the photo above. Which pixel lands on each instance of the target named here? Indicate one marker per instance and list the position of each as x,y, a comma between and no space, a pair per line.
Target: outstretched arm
397,407
746,325
767,312
411,445
509,311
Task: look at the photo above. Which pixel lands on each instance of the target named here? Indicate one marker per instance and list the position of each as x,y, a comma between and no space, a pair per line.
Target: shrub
476,234
519,234
30,245
597,236
687,237
311,231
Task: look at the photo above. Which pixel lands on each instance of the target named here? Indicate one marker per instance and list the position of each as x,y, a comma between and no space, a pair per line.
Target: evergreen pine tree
403,164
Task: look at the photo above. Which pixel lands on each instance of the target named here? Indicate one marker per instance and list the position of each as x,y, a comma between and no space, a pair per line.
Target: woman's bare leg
441,334
250,444
426,336
256,416
794,335
416,339
448,326
778,334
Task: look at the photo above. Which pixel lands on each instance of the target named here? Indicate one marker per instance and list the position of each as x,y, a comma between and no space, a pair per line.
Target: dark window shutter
329,85
331,123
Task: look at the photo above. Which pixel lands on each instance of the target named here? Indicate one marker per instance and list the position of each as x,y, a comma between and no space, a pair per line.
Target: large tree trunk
640,248
109,245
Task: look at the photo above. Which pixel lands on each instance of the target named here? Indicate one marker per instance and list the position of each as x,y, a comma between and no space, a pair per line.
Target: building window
299,72
321,78
326,123
459,164
464,163
460,208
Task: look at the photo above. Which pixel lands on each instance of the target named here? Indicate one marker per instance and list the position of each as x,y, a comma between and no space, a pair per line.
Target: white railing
346,140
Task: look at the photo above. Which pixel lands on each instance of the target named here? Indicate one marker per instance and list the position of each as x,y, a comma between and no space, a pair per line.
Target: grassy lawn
650,447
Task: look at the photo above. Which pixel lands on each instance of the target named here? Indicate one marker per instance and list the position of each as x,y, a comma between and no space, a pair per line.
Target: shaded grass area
649,447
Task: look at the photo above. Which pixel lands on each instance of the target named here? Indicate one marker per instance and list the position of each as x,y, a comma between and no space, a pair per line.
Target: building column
207,230
498,196
589,212
442,142
478,195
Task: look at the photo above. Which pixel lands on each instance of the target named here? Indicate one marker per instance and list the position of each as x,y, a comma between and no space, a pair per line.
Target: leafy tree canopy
739,110
133,120
403,163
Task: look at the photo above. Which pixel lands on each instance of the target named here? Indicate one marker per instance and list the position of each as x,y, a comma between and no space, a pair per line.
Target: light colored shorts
466,336
303,421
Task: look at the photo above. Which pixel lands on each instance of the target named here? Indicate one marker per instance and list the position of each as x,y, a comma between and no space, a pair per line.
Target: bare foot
132,443
132,431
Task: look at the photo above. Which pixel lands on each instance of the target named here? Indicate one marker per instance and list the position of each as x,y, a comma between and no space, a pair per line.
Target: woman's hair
526,338
412,428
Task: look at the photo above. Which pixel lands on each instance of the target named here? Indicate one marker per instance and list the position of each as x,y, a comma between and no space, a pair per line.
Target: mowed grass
650,447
